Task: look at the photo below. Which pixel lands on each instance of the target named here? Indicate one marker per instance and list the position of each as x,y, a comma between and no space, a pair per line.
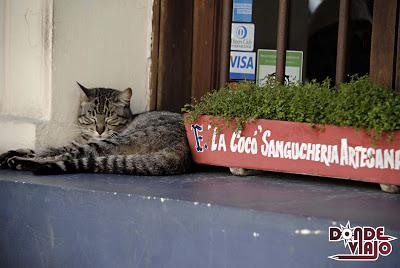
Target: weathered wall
2,19
25,72
50,44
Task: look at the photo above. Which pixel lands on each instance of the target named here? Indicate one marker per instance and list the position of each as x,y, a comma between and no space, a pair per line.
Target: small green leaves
359,103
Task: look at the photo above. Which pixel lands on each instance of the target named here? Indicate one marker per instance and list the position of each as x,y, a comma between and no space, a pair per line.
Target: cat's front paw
21,163
26,153
5,157
3,161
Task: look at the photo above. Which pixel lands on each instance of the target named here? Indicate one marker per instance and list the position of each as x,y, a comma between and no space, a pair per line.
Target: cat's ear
125,96
84,89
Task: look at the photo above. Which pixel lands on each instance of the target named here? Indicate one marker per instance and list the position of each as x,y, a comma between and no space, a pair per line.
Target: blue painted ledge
203,219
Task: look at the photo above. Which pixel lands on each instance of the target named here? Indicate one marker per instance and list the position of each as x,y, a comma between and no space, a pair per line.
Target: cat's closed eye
86,121
114,124
116,121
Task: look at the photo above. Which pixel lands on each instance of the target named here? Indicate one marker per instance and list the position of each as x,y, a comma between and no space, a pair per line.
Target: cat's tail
159,163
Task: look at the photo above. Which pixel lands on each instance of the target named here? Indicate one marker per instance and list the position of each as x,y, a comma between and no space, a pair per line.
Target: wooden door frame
385,58
190,50
211,37
170,71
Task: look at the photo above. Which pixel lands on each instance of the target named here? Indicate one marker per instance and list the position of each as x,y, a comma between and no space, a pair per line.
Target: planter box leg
389,188
244,171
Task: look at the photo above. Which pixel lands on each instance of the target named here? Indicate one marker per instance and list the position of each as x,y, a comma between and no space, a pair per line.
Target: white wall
96,42
26,59
2,27
25,70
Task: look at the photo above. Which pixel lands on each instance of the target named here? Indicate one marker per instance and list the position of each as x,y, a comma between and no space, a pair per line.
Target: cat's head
103,112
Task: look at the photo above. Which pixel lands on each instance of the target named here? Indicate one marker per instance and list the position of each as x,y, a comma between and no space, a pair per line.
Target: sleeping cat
112,140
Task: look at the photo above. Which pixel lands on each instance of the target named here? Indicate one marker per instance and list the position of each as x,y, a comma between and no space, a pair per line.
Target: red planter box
329,151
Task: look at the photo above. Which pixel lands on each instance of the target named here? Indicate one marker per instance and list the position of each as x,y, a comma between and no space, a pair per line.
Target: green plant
359,103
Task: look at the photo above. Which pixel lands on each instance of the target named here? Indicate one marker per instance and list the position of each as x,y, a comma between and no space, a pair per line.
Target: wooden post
281,40
382,63
342,41
397,72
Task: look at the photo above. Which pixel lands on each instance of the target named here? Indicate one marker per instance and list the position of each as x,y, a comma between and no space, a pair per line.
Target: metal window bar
342,41
282,36
281,40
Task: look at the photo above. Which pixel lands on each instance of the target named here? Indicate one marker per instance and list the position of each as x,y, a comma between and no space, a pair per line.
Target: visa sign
242,65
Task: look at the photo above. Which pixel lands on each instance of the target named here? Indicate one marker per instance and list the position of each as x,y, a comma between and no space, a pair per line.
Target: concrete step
203,219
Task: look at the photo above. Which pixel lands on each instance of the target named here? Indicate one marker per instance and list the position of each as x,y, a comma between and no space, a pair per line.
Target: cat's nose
100,129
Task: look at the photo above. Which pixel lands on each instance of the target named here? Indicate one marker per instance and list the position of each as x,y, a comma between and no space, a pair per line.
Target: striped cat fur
112,140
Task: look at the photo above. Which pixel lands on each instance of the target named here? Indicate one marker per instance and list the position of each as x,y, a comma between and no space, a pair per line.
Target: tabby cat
112,140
